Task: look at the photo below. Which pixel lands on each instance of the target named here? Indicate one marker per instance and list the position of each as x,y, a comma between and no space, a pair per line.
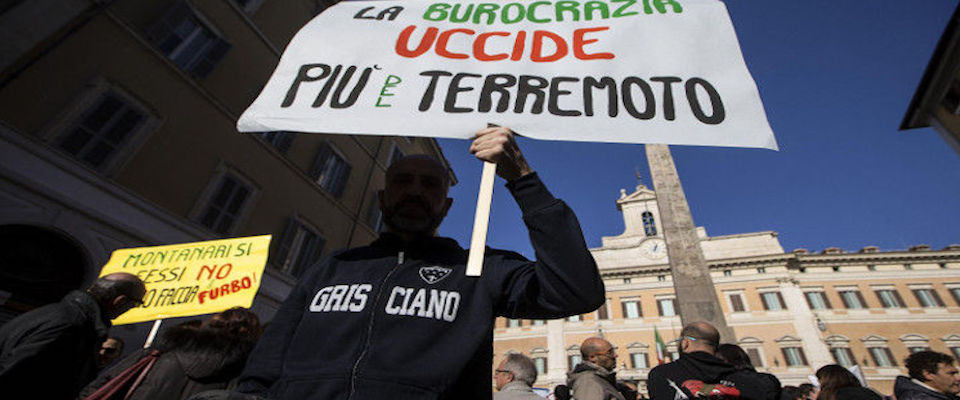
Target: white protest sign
644,71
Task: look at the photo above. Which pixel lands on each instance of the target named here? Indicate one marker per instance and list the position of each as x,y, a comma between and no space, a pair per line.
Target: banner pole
153,333
481,220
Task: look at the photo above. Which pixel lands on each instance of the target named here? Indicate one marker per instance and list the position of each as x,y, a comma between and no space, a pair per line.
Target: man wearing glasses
50,352
594,379
514,378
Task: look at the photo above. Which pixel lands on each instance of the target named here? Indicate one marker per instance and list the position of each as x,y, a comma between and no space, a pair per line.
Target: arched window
649,225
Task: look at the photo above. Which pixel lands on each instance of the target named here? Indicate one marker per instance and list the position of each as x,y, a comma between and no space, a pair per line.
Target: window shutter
850,356
826,300
281,247
893,361
162,28
763,300
783,304
659,308
639,309
803,357
211,58
676,307
916,294
846,303
806,296
863,302
879,298
754,356
602,311
323,154
307,250
900,303
786,358
737,302
936,297
285,141
342,177
646,360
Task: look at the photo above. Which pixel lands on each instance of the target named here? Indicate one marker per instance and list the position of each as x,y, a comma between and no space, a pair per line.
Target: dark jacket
402,321
710,376
857,393
50,352
906,389
192,360
590,381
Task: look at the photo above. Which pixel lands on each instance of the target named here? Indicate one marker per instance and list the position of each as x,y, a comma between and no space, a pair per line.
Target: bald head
699,336
599,351
117,292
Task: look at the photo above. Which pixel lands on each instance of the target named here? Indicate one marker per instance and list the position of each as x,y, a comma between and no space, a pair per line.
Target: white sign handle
481,220
153,333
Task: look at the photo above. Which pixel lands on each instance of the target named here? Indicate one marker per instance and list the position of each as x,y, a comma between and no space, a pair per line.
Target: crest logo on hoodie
434,273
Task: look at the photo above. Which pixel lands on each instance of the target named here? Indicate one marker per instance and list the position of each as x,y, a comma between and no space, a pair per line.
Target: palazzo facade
792,311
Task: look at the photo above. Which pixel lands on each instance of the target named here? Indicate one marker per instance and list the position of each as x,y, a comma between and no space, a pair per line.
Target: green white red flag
661,347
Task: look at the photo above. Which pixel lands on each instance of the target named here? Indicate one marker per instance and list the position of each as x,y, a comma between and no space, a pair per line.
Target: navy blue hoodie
402,321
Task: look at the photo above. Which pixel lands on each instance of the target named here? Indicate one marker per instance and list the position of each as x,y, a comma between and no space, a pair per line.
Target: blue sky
836,78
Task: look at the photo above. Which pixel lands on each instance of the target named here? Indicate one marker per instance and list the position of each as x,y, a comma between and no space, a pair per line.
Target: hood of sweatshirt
704,366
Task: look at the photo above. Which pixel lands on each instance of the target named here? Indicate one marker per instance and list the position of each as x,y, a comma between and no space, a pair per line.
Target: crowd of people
707,369
397,319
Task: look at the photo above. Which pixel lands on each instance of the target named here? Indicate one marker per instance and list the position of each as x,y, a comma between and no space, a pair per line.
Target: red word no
221,271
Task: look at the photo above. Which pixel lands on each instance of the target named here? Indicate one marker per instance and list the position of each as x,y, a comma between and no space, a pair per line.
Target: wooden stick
481,220
153,333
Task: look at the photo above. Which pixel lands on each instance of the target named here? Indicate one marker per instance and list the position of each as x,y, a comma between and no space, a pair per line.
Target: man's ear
446,206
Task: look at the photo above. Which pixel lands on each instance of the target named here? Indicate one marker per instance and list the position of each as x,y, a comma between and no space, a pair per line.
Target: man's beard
424,224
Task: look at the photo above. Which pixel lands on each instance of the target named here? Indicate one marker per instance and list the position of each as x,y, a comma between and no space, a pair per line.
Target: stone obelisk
696,295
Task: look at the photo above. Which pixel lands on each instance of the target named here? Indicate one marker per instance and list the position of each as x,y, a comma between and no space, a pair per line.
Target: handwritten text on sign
193,278
645,71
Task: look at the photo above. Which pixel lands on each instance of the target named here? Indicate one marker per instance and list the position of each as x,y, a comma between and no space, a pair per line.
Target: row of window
881,356
889,297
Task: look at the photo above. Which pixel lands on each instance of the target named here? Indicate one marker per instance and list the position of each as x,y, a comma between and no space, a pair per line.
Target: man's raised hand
496,144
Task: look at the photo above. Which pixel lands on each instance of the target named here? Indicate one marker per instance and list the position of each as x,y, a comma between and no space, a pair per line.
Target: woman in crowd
192,358
836,383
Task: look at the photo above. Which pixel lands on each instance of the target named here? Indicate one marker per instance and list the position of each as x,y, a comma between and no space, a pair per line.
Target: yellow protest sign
193,278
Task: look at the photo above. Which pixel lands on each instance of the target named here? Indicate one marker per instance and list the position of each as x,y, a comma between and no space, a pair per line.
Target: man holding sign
50,352
399,318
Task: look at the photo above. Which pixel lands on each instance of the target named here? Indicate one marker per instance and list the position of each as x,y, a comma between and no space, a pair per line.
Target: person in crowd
399,318
933,376
628,389
51,352
514,378
192,359
737,357
561,392
790,392
110,351
594,378
699,373
808,391
838,383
